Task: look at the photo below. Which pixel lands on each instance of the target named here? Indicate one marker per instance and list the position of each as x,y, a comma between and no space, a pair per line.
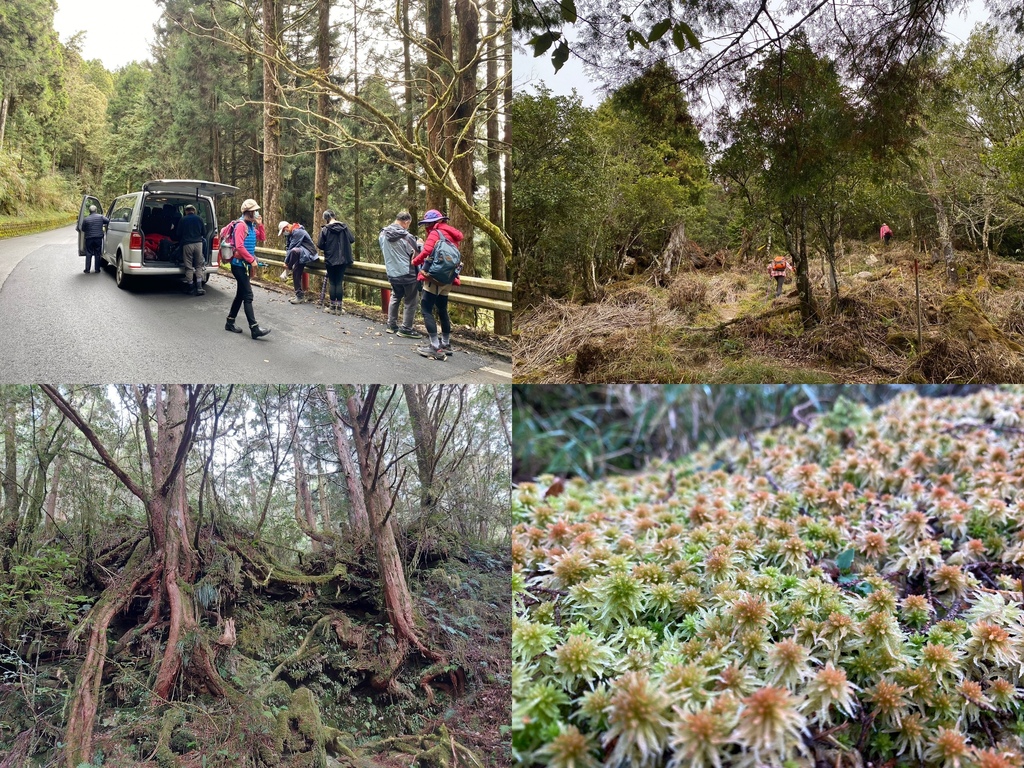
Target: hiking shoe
408,333
446,348
257,332
392,329
296,300
432,352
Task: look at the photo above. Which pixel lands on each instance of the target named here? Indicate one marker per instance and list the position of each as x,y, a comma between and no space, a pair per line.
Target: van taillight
215,249
135,243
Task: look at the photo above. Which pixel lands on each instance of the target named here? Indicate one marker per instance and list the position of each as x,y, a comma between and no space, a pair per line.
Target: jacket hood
449,231
395,232
335,226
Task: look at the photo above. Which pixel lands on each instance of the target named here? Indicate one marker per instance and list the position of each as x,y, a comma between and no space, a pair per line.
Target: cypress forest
364,108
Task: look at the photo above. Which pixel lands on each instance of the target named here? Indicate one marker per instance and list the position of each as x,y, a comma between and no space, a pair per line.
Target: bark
794,228
468,16
357,176
439,58
508,124
505,427
941,221
499,268
50,505
410,181
323,102
271,114
358,518
303,498
12,499
397,599
4,105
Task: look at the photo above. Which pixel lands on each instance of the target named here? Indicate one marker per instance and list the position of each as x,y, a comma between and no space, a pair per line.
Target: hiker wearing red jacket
434,293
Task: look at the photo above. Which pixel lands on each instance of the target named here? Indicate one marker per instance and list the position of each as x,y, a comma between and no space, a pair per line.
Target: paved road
58,324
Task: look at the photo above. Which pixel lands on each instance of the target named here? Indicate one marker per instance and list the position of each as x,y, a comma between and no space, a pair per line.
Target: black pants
429,301
297,270
888,237
243,293
336,278
779,280
93,246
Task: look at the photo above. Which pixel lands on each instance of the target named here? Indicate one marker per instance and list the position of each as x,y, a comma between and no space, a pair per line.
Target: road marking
497,372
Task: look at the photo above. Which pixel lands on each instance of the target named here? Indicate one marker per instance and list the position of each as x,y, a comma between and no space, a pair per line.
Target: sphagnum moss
854,586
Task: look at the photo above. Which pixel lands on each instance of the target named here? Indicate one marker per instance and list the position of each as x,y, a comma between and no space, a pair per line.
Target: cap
281,226
250,205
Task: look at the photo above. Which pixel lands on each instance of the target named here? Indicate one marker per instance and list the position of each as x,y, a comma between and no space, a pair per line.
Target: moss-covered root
434,750
165,758
300,735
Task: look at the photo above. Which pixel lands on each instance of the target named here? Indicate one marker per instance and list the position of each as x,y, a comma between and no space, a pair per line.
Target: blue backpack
445,261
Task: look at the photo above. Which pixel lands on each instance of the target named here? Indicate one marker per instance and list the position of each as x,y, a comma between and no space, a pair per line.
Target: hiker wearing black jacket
336,242
191,231
92,228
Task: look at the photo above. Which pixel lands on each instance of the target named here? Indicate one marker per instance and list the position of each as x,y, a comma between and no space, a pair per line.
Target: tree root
434,750
300,652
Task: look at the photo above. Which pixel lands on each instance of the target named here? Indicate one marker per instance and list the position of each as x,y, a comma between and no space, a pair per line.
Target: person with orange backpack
777,268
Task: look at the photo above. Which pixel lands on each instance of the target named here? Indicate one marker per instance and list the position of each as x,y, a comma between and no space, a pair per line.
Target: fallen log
763,316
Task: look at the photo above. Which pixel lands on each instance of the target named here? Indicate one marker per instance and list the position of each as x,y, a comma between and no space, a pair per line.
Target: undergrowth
843,594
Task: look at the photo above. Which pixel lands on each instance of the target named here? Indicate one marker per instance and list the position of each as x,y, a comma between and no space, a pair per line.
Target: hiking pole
323,287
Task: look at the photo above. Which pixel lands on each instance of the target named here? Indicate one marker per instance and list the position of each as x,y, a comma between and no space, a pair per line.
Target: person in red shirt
435,295
885,233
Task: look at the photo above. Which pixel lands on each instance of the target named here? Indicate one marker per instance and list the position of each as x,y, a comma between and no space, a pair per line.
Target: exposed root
434,750
300,652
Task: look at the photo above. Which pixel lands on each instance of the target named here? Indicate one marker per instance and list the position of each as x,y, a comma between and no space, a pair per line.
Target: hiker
336,242
301,251
399,246
435,291
885,233
92,226
190,231
241,234
778,268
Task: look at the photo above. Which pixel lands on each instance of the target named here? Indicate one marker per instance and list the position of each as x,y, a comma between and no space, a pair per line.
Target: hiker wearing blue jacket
301,251
92,227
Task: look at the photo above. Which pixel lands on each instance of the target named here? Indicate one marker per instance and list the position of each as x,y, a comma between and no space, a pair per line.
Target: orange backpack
779,264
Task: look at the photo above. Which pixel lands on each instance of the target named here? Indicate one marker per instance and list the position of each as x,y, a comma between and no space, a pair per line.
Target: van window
122,209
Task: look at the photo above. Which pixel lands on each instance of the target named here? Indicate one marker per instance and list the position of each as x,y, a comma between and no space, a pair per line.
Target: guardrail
31,226
495,295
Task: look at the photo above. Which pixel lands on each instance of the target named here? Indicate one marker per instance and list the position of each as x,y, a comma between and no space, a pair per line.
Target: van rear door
193,187
87,200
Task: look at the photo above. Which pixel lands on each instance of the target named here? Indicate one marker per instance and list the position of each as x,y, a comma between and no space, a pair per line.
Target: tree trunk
271,205
12,500
50,505
411,192
3,118
304,515
468,17
323,105
439,61
499,268
941,221
357,504
397,599
508,125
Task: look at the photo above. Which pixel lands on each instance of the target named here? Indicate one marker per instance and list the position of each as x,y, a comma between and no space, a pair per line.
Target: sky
529,71
113,35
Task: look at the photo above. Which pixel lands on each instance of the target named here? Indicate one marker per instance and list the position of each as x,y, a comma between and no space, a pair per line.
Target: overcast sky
116,31
528,70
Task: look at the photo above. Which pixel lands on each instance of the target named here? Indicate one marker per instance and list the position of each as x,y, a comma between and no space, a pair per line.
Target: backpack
227,240
445,261
779,264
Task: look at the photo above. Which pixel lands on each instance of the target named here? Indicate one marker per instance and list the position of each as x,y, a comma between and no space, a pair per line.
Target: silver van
141,238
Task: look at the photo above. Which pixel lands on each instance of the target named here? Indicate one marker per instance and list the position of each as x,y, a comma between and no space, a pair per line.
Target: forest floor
726,326
302,683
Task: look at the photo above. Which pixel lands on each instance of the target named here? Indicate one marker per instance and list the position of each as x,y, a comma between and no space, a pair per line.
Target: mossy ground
845,594
642,333
322,709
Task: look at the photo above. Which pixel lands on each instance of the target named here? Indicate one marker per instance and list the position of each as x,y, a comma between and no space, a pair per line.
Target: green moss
300,731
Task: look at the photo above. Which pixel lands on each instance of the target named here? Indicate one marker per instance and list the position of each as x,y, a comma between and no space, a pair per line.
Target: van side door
87,200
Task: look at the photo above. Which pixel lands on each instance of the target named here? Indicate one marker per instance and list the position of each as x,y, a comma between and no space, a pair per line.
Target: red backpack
779,264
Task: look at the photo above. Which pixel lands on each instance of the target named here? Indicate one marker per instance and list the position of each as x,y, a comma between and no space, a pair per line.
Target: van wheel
120,277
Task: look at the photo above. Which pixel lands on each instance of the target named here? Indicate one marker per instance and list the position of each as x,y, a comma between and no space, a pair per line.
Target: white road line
497,372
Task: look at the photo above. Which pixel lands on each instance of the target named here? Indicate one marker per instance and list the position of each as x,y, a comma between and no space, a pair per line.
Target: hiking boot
432,352
200,291
446,348
257,331
230,326
392,329
408,333
338,310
